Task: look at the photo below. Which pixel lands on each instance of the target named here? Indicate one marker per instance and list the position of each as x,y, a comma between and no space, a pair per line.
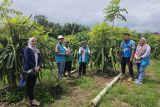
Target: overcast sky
143,15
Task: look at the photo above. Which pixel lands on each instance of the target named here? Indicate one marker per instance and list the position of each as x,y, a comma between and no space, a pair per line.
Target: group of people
64,57
141,55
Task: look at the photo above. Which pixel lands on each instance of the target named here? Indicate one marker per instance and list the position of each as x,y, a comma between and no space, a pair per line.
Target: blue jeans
61,67
141,72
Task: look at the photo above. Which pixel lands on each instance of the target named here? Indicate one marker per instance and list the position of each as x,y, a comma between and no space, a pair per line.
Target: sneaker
130,79
138,83
123,76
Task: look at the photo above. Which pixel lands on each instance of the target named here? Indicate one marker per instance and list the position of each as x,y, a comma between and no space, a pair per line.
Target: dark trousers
30,83
130,66
82,68
68,67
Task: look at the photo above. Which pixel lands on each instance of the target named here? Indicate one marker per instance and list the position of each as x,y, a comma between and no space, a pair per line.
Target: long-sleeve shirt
29,59
143,51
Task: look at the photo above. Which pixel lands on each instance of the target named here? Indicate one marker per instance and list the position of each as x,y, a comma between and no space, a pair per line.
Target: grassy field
81,90
125,94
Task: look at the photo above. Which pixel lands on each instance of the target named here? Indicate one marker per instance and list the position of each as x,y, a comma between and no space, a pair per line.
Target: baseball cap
60,37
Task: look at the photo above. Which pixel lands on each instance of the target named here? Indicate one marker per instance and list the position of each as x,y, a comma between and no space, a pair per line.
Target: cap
60,37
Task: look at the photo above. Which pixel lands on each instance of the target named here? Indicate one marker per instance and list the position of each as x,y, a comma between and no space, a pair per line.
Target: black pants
30,86
82,68
68,67
130,66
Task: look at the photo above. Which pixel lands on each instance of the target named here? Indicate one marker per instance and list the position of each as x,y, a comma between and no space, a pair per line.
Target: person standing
69,58
128,48
32,63
83,58
60,55
142,57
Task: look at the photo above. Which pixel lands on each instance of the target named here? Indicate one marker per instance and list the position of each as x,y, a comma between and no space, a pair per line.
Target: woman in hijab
142,56
84,52
32,62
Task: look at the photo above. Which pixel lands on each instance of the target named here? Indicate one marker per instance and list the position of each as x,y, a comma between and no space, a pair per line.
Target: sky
143,15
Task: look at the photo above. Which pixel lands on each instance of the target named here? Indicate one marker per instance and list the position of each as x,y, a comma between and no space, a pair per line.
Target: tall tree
41,19
113,12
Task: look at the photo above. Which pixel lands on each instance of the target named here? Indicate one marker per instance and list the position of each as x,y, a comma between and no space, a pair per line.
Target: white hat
60,37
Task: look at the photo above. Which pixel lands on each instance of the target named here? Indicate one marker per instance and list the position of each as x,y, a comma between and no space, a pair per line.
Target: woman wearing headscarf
32,62
84,52
142,56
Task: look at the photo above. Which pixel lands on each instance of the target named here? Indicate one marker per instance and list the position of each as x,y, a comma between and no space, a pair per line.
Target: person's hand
82,51
37,68
131,59
68,53
138,58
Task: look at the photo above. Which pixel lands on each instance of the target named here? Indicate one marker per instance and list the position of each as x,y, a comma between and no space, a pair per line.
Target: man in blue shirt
128,48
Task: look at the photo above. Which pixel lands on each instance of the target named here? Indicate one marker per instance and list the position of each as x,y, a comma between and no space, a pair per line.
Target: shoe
35,103
130,79
123,76
138,83
135,79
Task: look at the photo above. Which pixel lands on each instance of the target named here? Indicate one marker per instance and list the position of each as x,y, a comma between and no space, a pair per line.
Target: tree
113,12
73,28
41,19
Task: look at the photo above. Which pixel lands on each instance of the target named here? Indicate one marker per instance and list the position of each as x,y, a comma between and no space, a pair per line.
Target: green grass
85,83
146,95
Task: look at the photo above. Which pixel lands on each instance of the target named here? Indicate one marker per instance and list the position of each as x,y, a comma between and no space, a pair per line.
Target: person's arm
26,55
133,46
89,51
121,46
79,52
148,50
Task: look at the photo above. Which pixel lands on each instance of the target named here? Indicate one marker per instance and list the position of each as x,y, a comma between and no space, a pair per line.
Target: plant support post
104,91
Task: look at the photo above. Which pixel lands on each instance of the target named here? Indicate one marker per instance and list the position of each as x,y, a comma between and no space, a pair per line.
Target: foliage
73,28
104,47
45,93
56,29
15,33
114,11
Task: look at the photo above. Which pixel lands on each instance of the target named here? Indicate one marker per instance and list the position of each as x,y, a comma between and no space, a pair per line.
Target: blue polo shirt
127,47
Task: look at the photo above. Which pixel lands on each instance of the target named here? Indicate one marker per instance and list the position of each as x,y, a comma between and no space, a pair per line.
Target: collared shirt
127,47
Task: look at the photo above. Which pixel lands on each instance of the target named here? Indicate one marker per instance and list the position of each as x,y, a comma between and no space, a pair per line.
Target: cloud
143,14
